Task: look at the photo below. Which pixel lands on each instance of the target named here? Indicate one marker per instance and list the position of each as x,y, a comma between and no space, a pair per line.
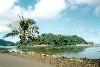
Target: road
14,61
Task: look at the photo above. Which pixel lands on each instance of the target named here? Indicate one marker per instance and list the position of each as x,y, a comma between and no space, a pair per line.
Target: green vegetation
55,40
26,30
59,40
6,43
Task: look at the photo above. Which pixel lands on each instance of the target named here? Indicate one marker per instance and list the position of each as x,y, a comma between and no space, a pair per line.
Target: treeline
27,31
6,43
49,39
58,40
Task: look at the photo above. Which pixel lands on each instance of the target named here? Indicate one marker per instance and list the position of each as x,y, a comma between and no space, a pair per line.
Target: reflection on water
8,48
68,51
91,52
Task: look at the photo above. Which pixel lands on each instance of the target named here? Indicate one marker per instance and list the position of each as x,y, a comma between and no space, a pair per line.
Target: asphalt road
14,61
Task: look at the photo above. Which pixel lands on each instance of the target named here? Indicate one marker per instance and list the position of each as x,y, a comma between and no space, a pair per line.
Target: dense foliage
6,43
59,40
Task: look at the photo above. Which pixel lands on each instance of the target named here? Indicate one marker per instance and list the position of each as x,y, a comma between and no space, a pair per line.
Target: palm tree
26,30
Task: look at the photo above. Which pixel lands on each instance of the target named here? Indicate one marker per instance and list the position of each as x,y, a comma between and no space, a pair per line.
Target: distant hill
6,43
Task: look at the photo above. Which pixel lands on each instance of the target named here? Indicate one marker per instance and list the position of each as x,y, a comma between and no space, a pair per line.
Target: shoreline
58,61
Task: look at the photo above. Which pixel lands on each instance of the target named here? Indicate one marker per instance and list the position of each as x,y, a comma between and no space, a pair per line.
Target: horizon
78,17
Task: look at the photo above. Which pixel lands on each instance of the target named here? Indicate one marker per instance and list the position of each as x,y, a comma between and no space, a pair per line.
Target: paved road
13,61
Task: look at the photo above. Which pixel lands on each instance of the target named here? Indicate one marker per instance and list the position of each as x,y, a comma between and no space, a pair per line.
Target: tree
60,40
26,30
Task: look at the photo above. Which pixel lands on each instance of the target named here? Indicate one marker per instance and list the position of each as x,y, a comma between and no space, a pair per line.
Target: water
8,48
91,52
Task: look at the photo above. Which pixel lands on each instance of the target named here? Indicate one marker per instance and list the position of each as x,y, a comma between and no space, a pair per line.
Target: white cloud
5,16
48,9
44,9
4,28
6,5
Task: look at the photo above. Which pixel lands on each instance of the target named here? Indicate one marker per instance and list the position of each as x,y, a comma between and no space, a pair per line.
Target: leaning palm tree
26,30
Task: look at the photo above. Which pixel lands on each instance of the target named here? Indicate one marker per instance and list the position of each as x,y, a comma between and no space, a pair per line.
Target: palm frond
13,33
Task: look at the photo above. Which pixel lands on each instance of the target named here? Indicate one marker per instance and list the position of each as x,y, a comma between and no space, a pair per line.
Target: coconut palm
26,29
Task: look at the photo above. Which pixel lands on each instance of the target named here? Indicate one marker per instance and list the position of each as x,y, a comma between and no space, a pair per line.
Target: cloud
43,9
47,9
5,16
4,28
6,5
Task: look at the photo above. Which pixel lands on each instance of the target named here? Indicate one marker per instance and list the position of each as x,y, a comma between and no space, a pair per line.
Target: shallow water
91,52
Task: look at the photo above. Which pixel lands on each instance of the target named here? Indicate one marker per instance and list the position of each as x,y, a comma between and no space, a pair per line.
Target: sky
66,17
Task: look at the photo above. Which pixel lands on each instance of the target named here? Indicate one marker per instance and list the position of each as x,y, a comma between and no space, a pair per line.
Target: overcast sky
67,17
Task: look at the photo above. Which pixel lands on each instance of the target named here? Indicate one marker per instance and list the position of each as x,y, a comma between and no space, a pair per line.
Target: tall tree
26,30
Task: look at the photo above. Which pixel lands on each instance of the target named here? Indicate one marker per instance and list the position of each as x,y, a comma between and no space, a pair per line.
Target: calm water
8,48
91,52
